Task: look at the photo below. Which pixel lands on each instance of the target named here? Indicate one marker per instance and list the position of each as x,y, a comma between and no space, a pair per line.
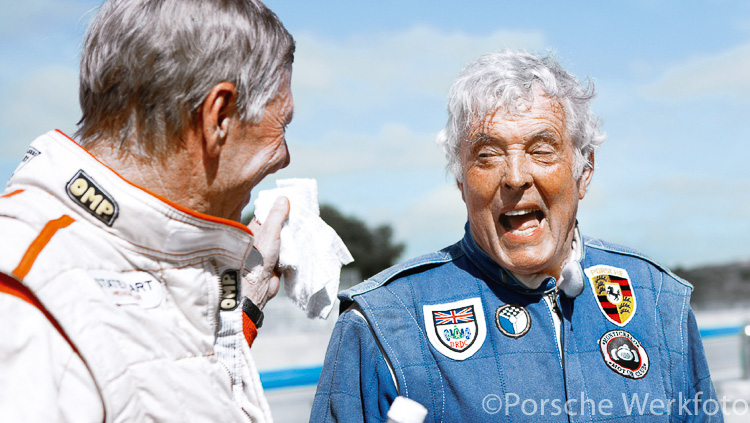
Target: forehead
528,117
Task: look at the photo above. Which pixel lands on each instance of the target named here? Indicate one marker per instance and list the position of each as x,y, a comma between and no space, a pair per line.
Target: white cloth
139,297
311,253
405,410
571,278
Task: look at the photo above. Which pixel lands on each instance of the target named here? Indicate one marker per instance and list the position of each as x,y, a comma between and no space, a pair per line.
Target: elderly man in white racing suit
129,291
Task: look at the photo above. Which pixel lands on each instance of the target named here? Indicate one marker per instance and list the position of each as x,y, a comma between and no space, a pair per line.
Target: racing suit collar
143,220
571,282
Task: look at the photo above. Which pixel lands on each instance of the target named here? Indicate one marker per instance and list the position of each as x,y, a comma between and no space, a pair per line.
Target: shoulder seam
599,245
357,311
12,193
38,244
443,256
13,287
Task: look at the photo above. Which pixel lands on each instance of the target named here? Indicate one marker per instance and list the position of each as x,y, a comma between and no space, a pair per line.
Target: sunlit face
259,149
519,188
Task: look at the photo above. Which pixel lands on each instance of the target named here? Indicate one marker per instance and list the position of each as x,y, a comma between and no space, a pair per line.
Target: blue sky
370,82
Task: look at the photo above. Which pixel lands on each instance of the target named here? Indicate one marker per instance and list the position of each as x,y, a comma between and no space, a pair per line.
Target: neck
535,280
180,177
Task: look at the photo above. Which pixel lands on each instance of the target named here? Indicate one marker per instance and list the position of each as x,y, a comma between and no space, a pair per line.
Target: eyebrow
546,135
483,138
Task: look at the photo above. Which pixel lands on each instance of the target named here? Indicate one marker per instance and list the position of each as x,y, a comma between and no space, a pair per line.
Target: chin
526,268
527,260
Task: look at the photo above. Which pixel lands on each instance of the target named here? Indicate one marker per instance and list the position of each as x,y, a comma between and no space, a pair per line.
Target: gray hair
147,66
500,80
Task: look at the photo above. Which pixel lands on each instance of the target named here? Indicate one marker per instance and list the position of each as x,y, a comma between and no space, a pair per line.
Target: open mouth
522,222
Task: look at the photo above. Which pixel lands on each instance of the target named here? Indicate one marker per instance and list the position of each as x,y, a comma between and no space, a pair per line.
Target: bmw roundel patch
624,354
512,320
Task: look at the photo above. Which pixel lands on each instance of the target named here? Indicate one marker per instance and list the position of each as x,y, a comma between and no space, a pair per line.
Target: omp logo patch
84,191
230,286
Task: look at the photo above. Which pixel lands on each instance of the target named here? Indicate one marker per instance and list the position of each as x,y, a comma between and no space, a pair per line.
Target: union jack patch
457,329
464,315
614,293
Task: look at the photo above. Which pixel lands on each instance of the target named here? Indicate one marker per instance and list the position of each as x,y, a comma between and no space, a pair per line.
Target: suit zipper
551,300
217,278
555,307
217,275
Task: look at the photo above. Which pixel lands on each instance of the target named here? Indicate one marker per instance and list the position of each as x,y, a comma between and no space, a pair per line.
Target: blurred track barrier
289,378
308,376
721,331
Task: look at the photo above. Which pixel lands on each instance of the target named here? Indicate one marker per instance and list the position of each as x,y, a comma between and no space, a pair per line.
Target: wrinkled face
519,188
259,149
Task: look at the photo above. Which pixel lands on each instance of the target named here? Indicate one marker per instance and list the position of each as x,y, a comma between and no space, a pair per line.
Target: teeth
519,212
523,232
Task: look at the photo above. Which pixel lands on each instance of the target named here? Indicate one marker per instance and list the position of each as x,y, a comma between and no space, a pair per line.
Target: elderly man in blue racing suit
523,319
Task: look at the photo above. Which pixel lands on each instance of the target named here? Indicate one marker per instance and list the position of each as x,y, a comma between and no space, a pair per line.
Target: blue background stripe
307,376
288,378
721,331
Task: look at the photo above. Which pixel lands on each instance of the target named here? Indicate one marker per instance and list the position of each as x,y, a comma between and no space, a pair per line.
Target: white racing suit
117,305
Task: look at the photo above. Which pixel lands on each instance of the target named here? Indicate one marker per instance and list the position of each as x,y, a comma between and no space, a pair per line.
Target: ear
217,111
460,186
585,179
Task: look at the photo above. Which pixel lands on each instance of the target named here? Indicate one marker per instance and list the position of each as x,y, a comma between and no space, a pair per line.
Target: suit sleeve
41,378
356,383
706,407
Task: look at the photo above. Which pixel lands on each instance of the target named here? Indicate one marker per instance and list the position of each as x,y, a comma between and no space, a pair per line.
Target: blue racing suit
457,333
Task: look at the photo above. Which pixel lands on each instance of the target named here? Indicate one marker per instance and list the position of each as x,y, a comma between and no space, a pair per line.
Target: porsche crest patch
458,329
614,293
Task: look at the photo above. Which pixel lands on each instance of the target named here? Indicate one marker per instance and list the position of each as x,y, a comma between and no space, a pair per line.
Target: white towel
311,253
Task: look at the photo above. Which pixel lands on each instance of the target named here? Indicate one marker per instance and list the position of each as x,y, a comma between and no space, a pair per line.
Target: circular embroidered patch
512,320
624,354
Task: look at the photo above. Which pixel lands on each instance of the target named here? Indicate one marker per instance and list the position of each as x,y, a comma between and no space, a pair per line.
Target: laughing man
523,319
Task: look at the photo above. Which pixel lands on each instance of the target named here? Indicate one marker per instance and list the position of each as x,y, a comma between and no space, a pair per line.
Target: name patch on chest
87,194
614,293
130,288
624,354
457,329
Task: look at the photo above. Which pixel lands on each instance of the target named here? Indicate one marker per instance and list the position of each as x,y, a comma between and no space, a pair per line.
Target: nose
287,156
517,176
